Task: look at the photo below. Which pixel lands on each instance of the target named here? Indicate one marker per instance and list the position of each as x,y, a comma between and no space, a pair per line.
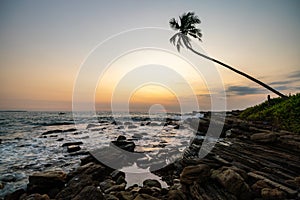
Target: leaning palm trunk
188,22
239,72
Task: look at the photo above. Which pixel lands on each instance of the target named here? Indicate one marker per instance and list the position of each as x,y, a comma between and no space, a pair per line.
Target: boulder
124,195
233,183
49,182
104,185
198,173
74,186
151,183
274,194
124,144
48,178
120,187
89,193
267,137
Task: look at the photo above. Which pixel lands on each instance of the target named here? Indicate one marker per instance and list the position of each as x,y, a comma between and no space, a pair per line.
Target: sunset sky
102,51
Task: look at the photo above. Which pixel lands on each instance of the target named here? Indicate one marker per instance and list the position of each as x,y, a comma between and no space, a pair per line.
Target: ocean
33,141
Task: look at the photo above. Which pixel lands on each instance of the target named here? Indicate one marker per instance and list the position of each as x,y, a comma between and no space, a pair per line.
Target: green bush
283,113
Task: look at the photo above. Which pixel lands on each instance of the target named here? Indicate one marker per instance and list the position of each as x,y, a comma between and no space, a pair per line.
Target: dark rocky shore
252,161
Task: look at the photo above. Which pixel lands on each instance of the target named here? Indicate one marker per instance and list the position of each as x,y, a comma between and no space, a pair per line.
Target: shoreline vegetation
257,158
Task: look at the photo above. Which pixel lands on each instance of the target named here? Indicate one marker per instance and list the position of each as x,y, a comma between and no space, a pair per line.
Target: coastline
254,160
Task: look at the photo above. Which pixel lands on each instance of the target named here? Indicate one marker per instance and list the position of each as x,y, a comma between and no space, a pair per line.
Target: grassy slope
282,113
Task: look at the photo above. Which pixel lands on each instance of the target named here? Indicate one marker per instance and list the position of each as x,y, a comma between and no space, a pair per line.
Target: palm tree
187,27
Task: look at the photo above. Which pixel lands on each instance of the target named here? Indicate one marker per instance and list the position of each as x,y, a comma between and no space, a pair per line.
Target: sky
57,54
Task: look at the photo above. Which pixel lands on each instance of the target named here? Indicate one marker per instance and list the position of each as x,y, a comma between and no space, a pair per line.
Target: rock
132,126
60,139
233,183
121,180
52,131
96,171
15,195
116,174
48,179
198,173
89,193
8,178
74,186
122,143
151,183
120,187
145,190
268,193
110,197
267,137
124,195
107,184
176,195
258,186
145,197
73,148
36,197
1,185
71,144
91,126
49,182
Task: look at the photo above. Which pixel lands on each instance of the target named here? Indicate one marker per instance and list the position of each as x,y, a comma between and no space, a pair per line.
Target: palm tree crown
188,22
187,27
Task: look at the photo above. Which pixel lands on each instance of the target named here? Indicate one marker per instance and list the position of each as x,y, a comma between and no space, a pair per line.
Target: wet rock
96,171
71,144
176,195
60,139
120,187
258,186
73,187
73,148
8,178
151,183
49,182
124,195
107,184
89,193
15,195
121,180
36,197
145,197
116,174
274,194
122,143
233,183
91,126
48,179
267,137
132,126
1,185
110,197
52,131
198,173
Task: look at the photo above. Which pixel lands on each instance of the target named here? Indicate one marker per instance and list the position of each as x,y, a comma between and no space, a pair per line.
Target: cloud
295,74
244,90
281,82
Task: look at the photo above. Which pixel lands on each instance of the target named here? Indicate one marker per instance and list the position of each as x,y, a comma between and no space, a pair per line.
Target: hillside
281,113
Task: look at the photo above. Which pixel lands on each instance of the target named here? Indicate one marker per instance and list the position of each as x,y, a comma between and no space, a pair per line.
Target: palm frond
174,24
